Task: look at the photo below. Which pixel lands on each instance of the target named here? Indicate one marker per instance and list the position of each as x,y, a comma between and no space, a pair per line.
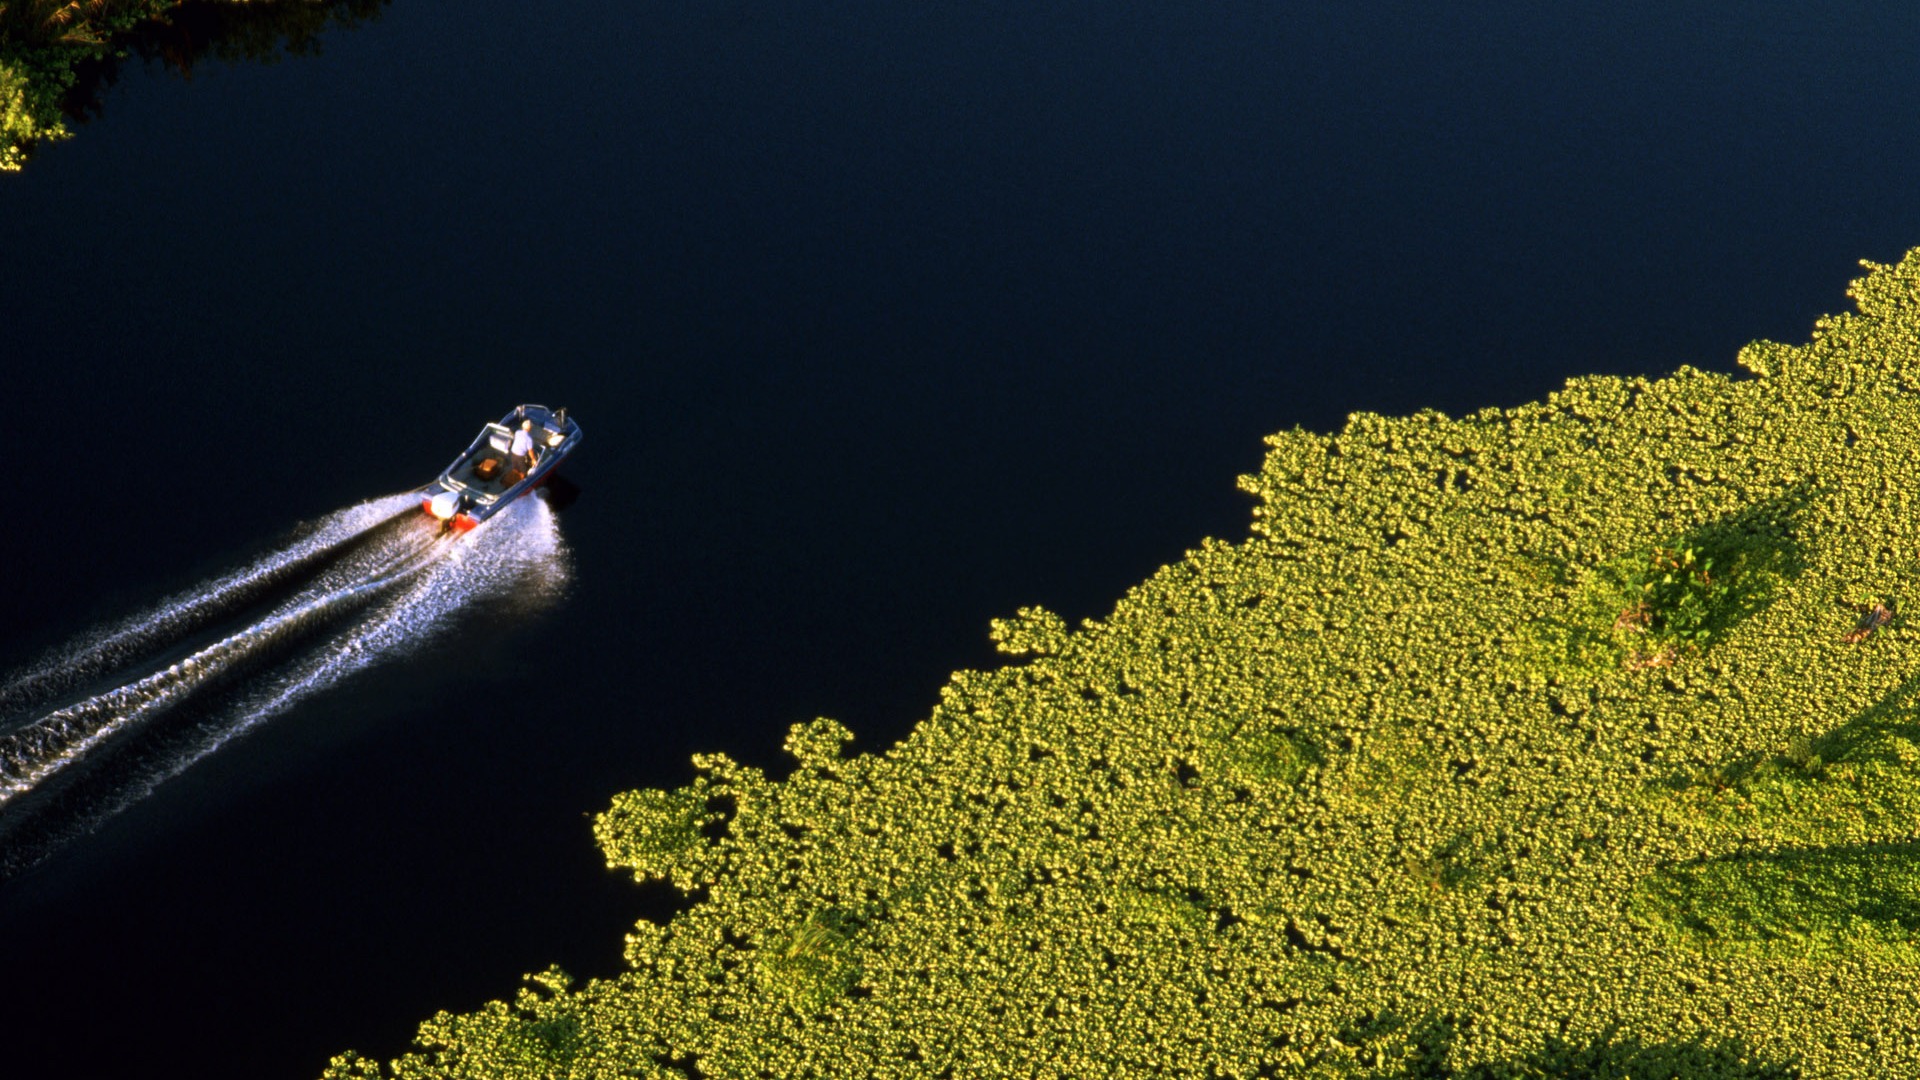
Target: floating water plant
1529,743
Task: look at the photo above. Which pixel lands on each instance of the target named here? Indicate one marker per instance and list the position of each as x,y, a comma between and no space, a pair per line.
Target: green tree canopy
58,56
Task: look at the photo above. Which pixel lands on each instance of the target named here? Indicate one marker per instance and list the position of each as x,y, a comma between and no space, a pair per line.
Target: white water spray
380,601
517,555
100,652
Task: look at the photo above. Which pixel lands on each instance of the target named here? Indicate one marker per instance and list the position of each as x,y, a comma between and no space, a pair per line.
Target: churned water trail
391,593
518,556
124,642
30,754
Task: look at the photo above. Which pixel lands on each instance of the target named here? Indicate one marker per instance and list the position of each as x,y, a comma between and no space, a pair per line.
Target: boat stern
499,466
448,507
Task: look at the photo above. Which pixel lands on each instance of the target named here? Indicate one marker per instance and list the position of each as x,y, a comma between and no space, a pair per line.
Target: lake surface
882,320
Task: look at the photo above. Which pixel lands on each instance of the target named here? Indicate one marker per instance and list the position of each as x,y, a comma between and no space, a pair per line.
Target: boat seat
500,441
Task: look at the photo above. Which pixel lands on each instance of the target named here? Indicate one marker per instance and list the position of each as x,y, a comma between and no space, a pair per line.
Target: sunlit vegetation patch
813,963
59,57
1834,898
1580,739
1674,598
1389,1046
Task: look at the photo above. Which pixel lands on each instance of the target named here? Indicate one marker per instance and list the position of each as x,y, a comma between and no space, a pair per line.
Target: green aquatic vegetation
1673,598
813,963
1676,594
1390,787
655,834
1837,899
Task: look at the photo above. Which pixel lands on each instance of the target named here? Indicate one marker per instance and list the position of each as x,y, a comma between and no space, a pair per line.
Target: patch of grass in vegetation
1834,899
1261,754
1385,1047
813,963
1386,789
1673,598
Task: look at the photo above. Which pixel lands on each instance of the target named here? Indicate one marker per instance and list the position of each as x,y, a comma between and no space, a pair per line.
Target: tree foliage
58,57
1386,789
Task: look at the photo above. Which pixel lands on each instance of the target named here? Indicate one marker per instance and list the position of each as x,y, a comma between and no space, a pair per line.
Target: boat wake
174,683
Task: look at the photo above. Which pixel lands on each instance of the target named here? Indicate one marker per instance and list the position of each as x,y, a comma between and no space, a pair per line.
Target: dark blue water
882,320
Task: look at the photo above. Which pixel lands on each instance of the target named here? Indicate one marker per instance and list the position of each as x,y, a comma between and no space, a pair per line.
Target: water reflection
58,58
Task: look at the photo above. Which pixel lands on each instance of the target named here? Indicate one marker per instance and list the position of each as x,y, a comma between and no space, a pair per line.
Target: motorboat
501,466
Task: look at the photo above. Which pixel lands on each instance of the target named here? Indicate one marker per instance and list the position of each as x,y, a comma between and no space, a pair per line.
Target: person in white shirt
522,445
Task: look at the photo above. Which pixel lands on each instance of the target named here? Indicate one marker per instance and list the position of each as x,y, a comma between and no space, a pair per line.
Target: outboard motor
444,505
